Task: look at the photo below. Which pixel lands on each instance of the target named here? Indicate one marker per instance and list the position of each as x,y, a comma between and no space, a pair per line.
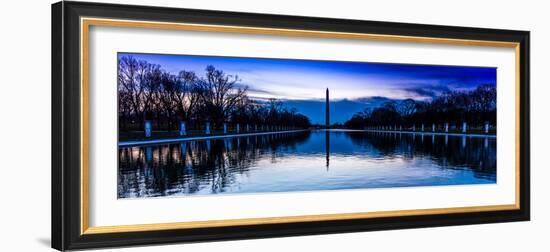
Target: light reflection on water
305,161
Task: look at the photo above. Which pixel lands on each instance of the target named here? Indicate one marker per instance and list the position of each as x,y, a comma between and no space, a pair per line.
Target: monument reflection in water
305,161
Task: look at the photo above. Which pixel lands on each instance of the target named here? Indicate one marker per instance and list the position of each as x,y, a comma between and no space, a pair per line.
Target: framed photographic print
180,125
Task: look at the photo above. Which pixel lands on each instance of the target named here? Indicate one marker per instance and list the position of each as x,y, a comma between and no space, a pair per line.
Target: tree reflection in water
449,152
290,162
187,167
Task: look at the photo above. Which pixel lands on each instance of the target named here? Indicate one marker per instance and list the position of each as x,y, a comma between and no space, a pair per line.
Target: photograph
215,125
181,124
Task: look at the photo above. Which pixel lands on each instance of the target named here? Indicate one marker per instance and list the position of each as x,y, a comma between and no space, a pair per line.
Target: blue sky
353,86
307,79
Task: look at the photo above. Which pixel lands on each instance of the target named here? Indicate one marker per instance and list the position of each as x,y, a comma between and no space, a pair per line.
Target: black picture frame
66,96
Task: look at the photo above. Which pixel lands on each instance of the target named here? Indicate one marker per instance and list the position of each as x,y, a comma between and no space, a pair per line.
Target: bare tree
131,75
218,93
186,97
146,91
407,107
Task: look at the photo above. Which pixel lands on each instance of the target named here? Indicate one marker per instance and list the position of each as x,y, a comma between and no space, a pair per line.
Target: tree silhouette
147,92
476,107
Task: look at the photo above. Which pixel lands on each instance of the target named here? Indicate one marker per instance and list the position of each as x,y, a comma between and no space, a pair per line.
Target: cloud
427,91
374,99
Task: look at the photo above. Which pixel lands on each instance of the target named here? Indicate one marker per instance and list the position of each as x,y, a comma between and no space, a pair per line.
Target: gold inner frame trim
85,24
289,219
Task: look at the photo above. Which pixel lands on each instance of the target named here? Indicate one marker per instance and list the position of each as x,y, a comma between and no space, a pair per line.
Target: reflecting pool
305,161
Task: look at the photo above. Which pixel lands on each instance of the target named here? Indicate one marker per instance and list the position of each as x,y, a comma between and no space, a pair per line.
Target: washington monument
327,113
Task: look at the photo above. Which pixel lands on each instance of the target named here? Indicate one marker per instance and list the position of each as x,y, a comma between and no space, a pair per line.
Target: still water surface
305,161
